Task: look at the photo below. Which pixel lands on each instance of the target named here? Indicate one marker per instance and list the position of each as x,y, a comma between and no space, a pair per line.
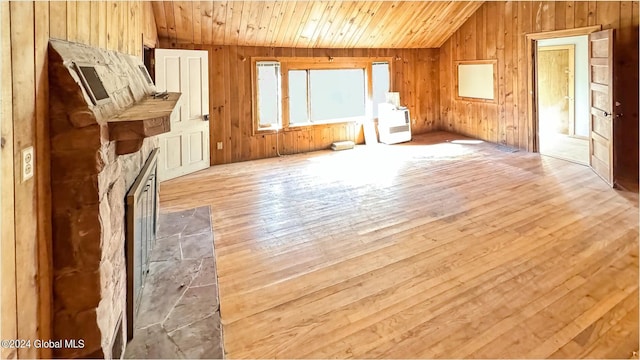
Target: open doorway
563,98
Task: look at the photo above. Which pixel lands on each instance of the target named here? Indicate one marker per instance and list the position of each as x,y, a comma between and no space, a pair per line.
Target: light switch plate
28,163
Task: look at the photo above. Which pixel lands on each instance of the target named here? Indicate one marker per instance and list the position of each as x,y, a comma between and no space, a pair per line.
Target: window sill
305,126
268,130
329,122
298,127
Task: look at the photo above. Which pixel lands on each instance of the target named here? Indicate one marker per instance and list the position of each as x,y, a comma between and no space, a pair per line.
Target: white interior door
185,149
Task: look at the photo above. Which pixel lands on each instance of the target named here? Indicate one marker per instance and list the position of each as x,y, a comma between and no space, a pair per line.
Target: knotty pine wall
497,31
415,76
25,28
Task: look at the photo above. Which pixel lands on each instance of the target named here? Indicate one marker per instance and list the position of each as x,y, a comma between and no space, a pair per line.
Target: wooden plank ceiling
312,24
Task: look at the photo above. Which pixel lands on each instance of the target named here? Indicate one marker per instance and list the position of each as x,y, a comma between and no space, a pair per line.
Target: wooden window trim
255,127
313,63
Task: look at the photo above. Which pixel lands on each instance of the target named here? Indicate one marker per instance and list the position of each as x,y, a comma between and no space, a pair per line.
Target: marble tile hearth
179,316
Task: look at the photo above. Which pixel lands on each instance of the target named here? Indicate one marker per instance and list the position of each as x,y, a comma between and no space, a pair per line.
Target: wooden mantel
149,117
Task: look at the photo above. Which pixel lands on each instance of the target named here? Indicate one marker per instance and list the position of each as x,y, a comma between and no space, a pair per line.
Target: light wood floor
427,250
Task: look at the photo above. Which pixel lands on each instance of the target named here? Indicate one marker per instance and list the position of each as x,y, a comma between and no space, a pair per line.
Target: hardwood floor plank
437,248
458,340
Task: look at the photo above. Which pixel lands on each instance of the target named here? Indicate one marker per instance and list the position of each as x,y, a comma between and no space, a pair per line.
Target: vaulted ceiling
312,24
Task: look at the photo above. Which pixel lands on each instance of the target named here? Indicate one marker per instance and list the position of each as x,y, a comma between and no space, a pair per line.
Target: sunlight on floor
378,165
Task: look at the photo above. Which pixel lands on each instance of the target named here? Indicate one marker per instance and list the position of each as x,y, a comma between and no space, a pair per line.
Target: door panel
173,159
601,100
185,149
196,144
599,75
195,89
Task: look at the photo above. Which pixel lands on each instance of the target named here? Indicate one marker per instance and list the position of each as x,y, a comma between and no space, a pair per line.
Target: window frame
315,63
254,99
494,64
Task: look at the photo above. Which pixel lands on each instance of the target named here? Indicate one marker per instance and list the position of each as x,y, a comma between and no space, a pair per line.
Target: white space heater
394,124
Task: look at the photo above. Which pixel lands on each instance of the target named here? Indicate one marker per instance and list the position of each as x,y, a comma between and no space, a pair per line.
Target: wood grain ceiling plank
420,24
439,15
308,27
234,16
330,14
207,21
303,8
332,23
218,23
171,21
393,24
196,17
403,18
280,29
276,14
331,32
290,26
410,25
363,18
161,19
444,23
458,18
312,24
427,25
183,11
379,20
263,26
250,20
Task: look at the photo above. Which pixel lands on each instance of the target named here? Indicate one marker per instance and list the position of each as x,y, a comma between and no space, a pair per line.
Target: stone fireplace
103,120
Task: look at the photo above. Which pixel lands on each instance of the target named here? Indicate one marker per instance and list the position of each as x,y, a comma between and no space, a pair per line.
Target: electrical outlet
220,145
28,163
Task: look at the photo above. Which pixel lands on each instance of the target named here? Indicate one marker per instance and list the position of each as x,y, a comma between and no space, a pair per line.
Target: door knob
606,114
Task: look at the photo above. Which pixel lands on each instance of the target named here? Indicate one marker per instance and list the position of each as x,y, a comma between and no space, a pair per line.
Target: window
326,95
298,97
305,91
268,94
381,84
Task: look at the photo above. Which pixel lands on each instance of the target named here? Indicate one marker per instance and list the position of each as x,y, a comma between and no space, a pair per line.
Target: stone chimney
90,174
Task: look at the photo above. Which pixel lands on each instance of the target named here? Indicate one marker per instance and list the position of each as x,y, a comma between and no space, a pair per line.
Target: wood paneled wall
415,76
8,306
26,228
497,31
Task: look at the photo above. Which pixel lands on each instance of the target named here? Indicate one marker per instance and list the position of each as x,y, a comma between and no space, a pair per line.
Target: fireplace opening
141,224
